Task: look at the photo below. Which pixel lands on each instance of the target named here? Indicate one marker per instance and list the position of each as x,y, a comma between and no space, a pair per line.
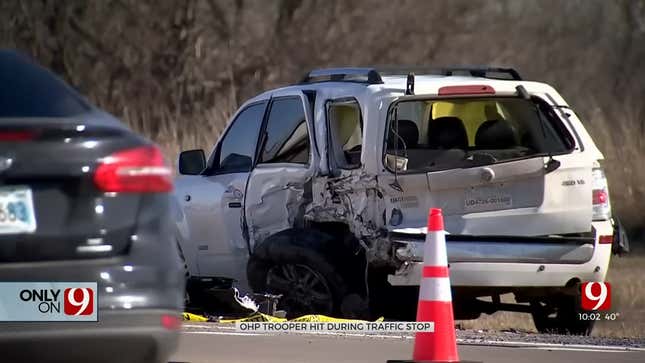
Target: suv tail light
466,90
138,170
600,196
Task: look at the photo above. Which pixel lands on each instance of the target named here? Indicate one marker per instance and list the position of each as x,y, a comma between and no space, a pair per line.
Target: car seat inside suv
408,136
447,142
495,134
446,133
500,139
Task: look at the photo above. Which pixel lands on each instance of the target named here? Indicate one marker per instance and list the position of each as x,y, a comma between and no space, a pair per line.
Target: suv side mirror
192,162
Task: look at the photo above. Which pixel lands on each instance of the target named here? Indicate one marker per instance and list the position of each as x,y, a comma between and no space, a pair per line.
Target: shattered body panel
277,202
355,199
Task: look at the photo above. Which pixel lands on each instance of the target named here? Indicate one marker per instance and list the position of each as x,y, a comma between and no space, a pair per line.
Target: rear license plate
16,210
487,201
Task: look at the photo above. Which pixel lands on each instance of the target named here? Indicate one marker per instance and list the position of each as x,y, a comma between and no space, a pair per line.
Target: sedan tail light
171,322
600,196
17,135
138,170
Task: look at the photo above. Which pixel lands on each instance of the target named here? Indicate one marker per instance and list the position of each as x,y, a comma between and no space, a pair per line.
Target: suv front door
279,186
213,202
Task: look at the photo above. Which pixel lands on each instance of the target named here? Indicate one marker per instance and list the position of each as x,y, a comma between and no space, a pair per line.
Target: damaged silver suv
320,191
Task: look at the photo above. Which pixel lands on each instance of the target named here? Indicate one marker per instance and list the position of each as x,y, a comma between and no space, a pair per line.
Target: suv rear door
491,176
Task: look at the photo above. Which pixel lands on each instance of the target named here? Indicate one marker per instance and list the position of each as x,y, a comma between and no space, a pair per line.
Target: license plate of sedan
476,203
16,210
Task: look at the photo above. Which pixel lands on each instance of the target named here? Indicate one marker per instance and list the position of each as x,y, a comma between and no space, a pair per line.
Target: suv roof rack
374,75
350,74
475,71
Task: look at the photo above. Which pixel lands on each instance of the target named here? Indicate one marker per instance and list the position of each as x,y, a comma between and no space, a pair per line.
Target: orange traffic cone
435,301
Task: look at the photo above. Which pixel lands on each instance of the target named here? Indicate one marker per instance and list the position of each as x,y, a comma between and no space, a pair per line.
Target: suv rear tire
307,282
308,270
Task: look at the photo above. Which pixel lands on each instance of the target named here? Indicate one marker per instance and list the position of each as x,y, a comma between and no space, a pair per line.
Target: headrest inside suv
409,134
495,134
447,133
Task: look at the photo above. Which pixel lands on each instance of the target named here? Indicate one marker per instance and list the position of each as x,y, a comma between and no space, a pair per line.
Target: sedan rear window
28,90
425,135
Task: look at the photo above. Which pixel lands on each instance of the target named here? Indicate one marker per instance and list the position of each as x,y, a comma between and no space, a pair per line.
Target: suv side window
237,149
286,134
345,133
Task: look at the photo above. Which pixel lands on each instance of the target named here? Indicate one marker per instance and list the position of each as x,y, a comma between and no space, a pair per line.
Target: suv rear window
28,90
464,132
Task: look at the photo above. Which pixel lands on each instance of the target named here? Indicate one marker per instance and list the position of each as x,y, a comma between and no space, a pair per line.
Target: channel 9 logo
596,296
48,301
79,301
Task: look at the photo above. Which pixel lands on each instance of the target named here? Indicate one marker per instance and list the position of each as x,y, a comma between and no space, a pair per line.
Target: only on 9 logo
596,296
79,301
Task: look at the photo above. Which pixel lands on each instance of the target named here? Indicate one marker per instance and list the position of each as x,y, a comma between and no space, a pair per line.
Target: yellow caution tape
194,317
259,317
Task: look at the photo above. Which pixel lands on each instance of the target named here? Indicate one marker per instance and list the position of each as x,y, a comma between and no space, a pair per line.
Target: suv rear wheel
307,282
311,271
304,289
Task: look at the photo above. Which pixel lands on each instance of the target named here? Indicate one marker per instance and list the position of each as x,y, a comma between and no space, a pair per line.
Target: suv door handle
237,194
235,205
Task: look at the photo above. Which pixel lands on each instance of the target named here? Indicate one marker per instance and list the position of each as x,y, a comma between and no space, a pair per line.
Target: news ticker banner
336,327
48,301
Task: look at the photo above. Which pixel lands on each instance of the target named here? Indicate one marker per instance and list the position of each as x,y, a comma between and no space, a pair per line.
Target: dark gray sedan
82,200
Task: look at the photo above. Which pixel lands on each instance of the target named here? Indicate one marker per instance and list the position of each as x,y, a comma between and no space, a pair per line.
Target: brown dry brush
175,70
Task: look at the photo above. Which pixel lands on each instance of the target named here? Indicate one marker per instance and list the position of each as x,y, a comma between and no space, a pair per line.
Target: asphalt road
216,343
